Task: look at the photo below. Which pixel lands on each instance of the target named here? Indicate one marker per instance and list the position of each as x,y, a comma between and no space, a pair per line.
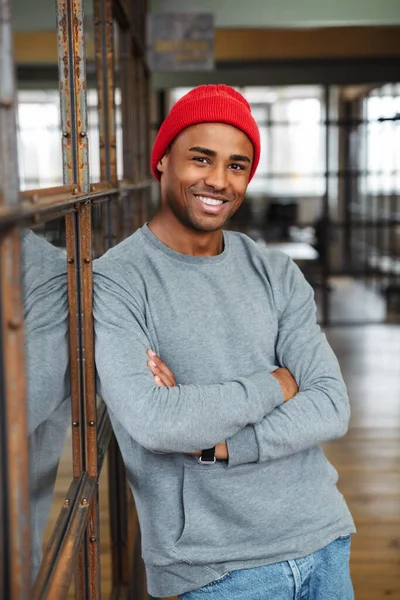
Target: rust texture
74,149
79,82
49,207
75,371
62,552
65,66
49,563
16,479
91,543
79,247
68,125
127,96
93,530
104,48
15,522
57,193
88,572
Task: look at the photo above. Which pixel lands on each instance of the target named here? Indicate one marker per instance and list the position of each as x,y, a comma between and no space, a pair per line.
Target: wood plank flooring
368,461
368,458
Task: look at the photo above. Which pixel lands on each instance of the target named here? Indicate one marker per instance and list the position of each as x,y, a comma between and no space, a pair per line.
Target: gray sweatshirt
221,324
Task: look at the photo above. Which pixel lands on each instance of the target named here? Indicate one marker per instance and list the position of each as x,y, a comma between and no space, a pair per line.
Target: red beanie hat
207,104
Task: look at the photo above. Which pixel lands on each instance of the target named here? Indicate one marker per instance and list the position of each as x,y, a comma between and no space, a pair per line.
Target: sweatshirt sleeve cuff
243,447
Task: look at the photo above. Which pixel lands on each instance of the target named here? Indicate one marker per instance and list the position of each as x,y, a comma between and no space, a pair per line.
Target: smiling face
204,175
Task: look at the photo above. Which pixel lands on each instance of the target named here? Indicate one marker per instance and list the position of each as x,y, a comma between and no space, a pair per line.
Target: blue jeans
323,575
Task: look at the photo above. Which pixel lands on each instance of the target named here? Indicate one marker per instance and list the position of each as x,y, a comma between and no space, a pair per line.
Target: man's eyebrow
208,152
240,157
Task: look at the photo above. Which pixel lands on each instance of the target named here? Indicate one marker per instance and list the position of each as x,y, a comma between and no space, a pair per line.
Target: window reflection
45,301
382,141
39,137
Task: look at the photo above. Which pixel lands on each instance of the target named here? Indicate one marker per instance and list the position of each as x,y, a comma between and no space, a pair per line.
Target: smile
210,201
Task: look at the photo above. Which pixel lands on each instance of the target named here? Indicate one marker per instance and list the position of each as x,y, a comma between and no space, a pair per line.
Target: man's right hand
287,382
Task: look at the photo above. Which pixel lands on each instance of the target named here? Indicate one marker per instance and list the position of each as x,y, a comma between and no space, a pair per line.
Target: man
207,344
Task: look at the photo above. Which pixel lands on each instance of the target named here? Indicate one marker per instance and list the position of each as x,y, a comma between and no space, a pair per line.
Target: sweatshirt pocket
224,514
258,511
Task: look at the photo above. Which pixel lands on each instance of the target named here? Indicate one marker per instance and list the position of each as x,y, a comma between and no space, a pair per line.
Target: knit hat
207,104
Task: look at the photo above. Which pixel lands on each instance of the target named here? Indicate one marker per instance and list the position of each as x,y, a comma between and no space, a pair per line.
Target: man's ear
161,164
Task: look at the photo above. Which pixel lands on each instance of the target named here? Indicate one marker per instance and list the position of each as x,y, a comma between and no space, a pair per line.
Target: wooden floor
368,460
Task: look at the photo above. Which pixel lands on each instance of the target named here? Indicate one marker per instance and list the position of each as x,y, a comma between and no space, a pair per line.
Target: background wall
37,15
289,13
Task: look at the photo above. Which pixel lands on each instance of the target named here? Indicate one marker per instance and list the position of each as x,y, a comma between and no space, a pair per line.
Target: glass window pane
39,139
382,144
46,338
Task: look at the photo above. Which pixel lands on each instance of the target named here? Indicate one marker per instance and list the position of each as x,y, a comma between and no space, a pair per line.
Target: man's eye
237,167
201,159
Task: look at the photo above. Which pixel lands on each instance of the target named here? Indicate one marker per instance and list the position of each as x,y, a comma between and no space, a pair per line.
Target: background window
292,161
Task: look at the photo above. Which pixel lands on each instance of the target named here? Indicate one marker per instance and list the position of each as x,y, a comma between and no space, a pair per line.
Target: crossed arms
250,412
164,377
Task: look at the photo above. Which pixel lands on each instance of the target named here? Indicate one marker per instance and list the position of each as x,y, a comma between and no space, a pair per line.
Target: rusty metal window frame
74,546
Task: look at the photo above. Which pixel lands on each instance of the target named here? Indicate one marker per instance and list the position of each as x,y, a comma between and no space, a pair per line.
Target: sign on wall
180,41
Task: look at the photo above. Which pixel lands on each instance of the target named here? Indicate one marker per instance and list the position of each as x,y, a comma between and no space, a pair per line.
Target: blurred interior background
323,81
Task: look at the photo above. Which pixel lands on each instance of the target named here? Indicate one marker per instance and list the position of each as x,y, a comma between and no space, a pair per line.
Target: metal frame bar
325,212
105,63
15,524
28,212
58,564
69,35
16,521
104,48
79,249
57,567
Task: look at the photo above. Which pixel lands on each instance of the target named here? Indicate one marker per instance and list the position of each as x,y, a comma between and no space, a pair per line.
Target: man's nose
217,177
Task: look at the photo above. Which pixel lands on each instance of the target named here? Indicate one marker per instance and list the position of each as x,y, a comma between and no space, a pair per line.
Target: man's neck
181,239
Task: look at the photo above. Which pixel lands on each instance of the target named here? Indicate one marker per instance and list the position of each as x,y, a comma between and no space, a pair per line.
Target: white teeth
210,201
